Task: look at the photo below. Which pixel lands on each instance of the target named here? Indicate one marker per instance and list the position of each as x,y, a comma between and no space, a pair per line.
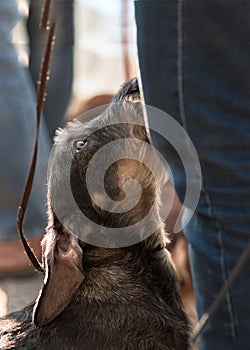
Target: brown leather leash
41,93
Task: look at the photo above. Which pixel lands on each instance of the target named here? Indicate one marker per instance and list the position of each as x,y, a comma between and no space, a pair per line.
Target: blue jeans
61,72
194,61
17,132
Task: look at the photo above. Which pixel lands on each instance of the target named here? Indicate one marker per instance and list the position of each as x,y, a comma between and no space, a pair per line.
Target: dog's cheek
63,277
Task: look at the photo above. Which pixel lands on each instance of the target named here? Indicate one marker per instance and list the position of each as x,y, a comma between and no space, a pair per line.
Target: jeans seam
180,8
222,262
180,63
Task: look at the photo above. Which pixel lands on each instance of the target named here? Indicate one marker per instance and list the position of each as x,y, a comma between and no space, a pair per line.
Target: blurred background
104,44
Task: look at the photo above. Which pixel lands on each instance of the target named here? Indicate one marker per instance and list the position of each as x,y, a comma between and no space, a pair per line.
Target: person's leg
61,72
194,60
17,132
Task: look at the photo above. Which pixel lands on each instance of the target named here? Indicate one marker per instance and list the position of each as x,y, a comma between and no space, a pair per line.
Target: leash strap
244,258
41,93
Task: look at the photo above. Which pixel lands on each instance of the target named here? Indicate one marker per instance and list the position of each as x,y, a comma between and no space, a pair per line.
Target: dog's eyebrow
74,130
79,129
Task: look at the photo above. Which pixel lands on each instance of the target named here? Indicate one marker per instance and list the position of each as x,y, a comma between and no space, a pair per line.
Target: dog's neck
109,270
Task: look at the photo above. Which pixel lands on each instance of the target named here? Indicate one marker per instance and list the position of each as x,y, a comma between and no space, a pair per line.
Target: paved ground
18,292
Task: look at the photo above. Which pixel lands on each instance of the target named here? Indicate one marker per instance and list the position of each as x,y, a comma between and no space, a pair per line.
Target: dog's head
79,211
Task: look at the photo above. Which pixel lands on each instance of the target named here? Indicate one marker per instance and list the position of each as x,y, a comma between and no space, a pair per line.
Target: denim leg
17,130
61,72
194,60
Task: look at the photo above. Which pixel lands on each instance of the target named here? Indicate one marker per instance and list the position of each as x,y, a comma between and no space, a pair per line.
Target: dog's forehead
77,130
124,111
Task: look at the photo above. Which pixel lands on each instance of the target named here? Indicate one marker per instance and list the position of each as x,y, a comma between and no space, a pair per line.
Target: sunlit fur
124,298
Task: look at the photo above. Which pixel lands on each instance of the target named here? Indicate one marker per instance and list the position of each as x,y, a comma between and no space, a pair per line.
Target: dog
112,294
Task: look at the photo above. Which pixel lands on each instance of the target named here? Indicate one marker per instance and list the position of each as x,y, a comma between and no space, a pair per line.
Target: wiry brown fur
102,298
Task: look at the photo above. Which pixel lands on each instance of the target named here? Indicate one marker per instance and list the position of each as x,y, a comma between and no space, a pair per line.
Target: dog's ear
64,275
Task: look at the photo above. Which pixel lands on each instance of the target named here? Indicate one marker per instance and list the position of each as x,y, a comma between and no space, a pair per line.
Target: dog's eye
79,144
